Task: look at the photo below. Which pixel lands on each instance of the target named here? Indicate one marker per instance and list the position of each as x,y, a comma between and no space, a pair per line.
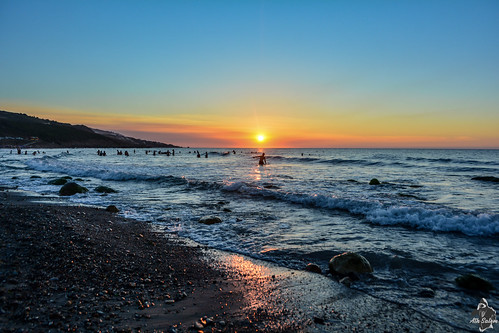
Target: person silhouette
262,160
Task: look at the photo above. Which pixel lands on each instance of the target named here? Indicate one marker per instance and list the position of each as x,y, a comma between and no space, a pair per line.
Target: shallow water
427,222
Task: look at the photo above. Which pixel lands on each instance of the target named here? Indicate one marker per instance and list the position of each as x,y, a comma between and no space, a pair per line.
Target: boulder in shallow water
104,189
427,293
374,181
475,282
58,181
112,209
349,262
71,189
487,179
313,268
210,220
346,281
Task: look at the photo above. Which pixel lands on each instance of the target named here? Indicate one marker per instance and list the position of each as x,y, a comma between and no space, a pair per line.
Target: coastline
82,268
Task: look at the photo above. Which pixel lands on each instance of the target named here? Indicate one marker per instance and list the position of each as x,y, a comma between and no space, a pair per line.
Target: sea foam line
423,217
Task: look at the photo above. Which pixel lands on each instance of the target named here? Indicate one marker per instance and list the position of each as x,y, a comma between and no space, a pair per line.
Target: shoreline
82,268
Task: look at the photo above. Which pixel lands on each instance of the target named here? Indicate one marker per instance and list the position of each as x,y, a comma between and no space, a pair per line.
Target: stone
210,220
71,189
34,177
105,189
58,181
349,262
112,209
374,181
427,292
313,268
486,179
475,282
346,281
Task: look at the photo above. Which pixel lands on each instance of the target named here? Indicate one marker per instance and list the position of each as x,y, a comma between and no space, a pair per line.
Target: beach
77,268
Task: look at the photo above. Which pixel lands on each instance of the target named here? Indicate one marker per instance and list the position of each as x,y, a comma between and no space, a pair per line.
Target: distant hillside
17,129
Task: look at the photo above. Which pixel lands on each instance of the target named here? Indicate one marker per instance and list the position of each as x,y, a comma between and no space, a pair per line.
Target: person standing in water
262,160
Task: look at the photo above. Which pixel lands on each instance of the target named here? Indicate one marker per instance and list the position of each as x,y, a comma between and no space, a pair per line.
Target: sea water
427,222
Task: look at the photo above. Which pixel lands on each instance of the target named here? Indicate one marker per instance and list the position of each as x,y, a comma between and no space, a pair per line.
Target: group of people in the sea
262,159
19,152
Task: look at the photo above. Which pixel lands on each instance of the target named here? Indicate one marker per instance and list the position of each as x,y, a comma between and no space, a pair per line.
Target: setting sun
260,138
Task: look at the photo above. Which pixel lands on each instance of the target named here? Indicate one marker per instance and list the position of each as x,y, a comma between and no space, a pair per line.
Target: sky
415,74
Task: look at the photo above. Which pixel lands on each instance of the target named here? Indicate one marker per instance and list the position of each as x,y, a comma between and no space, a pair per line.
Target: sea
427,222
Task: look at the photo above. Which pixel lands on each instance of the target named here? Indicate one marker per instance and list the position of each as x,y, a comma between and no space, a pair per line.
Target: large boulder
71,189
104,189
349,262
374,181
210,220
475,282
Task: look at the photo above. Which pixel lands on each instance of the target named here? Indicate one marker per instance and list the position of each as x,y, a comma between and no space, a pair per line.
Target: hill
18,129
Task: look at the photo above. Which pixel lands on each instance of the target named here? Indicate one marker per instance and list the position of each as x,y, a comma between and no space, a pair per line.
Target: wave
422,216
77,169
450,160
411,214
333,161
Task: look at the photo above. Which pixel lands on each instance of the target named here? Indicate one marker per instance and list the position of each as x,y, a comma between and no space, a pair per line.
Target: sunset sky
218,73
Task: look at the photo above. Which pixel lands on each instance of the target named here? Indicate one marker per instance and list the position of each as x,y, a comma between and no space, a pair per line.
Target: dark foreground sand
84,269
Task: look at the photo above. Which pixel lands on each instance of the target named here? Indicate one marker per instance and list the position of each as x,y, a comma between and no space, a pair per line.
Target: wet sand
67,268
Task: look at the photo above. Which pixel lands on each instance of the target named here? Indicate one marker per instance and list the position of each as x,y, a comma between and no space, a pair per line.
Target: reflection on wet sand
277,299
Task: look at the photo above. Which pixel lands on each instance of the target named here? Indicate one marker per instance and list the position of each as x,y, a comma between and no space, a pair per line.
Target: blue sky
332,73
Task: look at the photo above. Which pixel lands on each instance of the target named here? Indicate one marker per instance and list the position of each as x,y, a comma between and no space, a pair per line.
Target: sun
260,138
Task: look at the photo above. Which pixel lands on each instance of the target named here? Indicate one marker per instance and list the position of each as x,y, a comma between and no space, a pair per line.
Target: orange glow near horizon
215,130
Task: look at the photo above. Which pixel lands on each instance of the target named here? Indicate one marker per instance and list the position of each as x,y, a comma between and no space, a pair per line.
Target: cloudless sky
217,73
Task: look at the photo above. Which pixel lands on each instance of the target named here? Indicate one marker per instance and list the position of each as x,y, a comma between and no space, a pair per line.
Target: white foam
421,216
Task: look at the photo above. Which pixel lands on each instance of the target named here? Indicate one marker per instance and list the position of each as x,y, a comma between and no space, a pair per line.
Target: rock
426,292
112,209
349,262
475,282
210,220
487,179
104,189
67,177
34,177
58,181
71,189
374,181
346,281
313,268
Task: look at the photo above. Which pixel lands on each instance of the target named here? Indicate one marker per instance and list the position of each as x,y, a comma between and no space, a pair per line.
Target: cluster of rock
70,188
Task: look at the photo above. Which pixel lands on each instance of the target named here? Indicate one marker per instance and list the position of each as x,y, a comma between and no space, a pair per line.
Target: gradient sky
217,73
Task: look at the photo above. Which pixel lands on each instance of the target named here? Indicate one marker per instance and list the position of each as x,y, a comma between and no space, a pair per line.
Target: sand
74,268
